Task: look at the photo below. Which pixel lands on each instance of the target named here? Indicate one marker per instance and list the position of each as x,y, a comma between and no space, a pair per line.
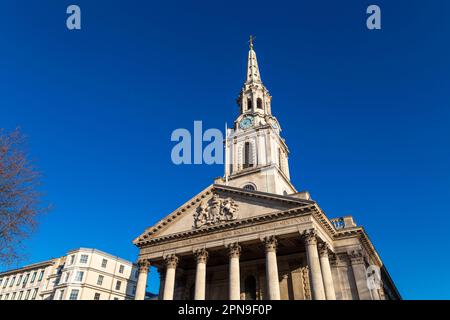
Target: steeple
253,75
256,155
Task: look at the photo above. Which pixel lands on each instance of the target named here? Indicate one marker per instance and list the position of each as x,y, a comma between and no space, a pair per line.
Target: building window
118,284
25,280
249,187
115,298
33,277
19,280
259,103
136,274
121,268
20,295
97,296
61,295
79,276
104,263
13,296
7,296
6,283
84,258
100,280
1,280
1,296
134,290
248,156
33,297
67,277
72,259
74,294
12,281
249,104
41,275
27,295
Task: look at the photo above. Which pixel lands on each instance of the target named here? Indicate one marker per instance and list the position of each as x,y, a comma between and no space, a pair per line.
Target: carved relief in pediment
215,211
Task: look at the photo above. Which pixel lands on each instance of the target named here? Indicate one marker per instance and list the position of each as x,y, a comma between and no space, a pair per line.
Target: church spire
253,75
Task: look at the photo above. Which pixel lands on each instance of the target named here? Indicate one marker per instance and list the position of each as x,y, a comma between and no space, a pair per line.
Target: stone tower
256,155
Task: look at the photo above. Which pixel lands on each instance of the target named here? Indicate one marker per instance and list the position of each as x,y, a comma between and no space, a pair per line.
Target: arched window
249,104
250,288
259,103
248,157
249,187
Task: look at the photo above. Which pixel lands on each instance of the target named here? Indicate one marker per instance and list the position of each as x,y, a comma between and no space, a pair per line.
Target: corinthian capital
324,249
201,255
143,265
356,256
310,237
234,250
171,261
270,243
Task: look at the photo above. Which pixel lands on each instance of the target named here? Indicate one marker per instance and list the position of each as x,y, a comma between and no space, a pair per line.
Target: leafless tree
20,203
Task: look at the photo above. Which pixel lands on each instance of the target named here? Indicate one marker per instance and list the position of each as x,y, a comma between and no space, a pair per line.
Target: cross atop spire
252,38
252,65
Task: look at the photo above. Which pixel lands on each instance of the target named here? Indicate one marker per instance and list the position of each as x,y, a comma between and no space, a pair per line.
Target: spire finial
252,38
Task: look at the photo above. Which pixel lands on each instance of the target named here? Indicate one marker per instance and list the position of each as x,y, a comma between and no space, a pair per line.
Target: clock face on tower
246,123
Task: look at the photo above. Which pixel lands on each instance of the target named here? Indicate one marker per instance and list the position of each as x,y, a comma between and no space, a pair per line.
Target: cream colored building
252,235
83,274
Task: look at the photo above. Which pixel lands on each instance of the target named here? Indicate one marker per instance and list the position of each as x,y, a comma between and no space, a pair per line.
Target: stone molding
356,256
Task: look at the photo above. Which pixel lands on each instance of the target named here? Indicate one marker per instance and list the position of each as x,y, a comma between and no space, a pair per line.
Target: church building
252,235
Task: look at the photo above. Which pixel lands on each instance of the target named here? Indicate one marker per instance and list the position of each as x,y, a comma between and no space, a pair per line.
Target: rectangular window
33,277
104,263
118,284
136,274
27,295
84,258
12,281
33,297
97,296
79,276
20,295
134,290
61,294
13,296
41,275
74,294
67,277
72,259
7,296
100,280
19,280
121,268
1,280
6,283
25,280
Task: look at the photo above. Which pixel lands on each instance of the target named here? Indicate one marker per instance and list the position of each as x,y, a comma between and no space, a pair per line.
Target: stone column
273,284
326,272
359,272
142,279
234,289
201,256
312,255
169,283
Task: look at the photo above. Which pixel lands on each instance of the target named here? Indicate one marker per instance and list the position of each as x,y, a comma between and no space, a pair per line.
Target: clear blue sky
365,114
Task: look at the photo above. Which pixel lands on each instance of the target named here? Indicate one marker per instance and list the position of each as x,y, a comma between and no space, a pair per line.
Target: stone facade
251,235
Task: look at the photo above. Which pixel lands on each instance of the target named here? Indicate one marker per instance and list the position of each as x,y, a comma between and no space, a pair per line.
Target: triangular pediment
220,204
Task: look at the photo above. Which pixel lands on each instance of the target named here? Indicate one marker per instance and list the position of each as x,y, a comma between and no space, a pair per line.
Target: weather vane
252,38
